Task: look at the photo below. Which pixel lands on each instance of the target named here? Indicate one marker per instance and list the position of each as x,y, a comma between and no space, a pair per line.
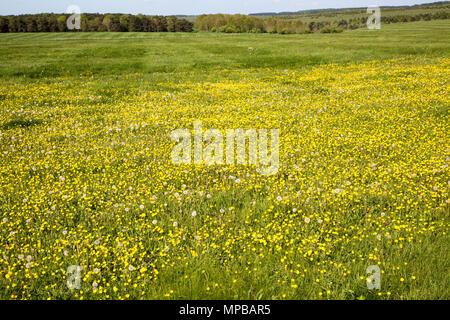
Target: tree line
50,22
242,23
226,23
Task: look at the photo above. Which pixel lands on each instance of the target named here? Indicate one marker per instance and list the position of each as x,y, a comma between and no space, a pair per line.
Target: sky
187,7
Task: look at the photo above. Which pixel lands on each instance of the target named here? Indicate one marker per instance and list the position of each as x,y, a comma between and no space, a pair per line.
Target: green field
86,177
68,54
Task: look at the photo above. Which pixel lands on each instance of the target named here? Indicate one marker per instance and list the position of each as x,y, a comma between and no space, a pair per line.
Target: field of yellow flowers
86,180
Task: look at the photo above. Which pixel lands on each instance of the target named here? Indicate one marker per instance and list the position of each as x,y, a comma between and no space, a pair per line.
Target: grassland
86,177
44,55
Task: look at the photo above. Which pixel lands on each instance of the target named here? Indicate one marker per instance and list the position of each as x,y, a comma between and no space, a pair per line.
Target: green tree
3,25
124,22
62,24
111,22
135,23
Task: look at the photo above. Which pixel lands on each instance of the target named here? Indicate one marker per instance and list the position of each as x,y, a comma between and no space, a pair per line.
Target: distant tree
96,25
112,23
13,24
124,22
171,24
343,23
31,24
145,24
62,24
3,25
52,23
135,24
21,24
43,23
93,22
161,24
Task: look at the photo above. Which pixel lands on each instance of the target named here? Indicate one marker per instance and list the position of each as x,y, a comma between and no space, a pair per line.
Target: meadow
86,177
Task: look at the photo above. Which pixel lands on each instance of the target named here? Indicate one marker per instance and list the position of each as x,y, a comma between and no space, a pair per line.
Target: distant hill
334,10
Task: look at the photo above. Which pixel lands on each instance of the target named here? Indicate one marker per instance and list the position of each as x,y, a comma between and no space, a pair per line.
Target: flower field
86,179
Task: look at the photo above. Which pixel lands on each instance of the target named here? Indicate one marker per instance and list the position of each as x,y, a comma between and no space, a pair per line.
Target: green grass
87,83
68,54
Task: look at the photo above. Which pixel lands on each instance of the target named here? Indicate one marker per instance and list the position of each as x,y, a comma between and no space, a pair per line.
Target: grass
86,177
53,55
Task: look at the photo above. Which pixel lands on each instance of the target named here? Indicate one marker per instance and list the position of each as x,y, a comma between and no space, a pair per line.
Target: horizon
160,7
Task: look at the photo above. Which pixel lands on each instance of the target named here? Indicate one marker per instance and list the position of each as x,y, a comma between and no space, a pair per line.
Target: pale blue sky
168,7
